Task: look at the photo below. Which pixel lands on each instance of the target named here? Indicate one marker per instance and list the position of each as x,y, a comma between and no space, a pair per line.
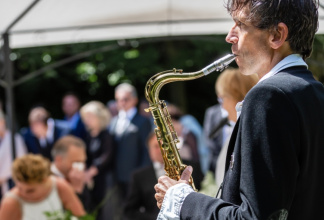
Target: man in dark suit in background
274,165
214,121
140,203
71,106
130,131
43,131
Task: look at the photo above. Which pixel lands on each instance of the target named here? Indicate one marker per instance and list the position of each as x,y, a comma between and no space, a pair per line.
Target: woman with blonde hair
37,192
231,87
96,118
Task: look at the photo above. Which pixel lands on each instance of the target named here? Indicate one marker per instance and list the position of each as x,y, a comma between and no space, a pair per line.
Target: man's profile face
125,100
250,45
74,154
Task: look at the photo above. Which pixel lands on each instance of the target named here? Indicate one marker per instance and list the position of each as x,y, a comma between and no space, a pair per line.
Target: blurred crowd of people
105,159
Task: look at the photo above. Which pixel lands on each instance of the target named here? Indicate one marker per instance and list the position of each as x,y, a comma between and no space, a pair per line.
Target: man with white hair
130,131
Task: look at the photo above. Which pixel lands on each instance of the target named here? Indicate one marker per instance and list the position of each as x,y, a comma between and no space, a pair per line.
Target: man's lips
236,57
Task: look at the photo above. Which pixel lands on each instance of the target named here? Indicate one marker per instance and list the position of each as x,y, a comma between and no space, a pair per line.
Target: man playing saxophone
274,164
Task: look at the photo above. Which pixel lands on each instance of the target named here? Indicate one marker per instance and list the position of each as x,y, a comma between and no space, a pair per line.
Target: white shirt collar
129,114
238,109
289,61
56,171
50,130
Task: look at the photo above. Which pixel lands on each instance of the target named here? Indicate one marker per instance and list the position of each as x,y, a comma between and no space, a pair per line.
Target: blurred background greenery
92,70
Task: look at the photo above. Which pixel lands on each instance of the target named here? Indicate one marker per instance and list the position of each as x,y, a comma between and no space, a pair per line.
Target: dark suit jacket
100,153
276,153
32,143
131,151
140,203
78,128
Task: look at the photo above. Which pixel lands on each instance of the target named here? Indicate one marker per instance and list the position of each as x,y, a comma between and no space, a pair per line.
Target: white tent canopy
52,22
72,21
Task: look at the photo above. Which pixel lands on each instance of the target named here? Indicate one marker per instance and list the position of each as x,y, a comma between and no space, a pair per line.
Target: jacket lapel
231,144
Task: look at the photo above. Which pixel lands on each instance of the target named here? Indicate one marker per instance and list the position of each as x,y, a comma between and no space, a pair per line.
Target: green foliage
95,76
67,215
135,61
131,54
208,185
87,217
315,62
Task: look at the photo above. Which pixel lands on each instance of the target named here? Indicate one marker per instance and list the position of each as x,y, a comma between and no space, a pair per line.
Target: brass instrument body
165,133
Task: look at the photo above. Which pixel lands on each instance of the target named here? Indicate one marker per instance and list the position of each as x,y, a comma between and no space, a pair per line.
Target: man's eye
239,24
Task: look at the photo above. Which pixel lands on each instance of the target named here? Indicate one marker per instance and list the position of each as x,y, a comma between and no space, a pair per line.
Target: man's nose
232,37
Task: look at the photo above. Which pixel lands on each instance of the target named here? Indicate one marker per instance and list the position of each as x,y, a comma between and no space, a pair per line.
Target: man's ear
278,35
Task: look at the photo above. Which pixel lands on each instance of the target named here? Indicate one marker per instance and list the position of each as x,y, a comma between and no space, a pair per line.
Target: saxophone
165,132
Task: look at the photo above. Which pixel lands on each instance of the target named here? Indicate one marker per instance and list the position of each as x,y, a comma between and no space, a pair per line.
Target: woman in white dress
37,192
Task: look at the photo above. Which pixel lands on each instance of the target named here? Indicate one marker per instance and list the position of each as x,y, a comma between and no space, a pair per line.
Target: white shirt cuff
173,201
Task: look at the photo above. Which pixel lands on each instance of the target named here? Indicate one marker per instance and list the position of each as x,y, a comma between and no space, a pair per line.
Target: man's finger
186,174
159,199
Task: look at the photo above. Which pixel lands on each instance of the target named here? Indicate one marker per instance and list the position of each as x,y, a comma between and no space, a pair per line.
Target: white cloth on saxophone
173,201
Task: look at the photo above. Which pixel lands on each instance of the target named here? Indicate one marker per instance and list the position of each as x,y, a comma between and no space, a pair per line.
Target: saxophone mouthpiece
220,64
228,59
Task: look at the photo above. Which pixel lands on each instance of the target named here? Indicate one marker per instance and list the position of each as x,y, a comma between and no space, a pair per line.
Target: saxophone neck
165,132
219,65
156,82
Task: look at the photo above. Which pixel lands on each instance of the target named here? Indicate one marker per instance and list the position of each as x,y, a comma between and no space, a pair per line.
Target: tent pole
21,15
9,77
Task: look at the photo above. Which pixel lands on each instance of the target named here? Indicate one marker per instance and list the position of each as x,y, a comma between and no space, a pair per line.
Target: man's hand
164,183
77,179
89,174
